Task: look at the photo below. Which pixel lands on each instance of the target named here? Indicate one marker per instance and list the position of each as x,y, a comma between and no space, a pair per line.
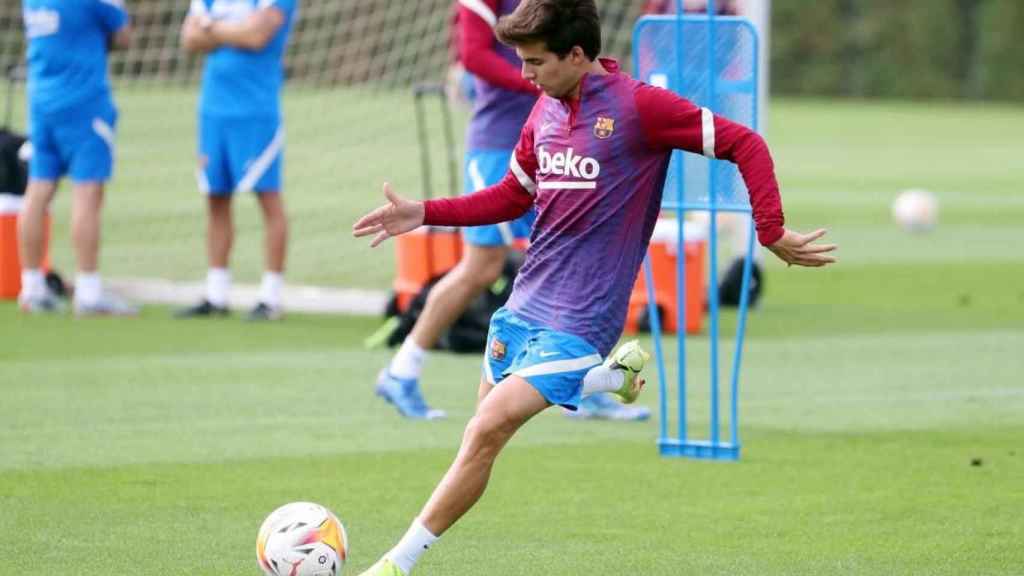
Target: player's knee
486,434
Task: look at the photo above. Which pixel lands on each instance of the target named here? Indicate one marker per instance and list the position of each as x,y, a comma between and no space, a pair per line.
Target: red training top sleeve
476,47
507,200
670,121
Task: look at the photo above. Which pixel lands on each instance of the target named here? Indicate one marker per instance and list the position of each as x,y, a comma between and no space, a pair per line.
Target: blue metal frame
681,445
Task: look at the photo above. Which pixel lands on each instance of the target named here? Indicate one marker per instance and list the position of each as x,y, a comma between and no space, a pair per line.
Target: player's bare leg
482,392
86,206
275,224
34,295
220,231
86,226
500,414
220,237
275,243
478,269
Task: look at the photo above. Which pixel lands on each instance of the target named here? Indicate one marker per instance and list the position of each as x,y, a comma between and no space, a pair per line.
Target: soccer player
72,119
592,157
241,136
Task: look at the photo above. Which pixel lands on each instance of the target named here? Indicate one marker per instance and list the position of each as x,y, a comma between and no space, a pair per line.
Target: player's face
557,77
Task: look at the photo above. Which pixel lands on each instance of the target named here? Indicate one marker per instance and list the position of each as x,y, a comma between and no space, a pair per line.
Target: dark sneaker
404,394
263,313
202,310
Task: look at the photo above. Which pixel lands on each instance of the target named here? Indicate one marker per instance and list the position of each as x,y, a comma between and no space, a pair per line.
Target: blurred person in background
72,121
241,136
501,101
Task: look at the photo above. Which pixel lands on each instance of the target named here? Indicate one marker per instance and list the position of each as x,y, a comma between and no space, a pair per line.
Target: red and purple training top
595,168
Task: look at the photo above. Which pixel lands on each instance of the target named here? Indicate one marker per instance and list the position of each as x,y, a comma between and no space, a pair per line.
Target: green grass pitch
150,446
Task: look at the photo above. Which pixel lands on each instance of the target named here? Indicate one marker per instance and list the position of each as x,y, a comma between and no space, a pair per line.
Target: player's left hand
396,217
800,249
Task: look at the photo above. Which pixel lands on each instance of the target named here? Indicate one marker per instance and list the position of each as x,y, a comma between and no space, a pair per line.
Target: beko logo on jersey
568,164
41,22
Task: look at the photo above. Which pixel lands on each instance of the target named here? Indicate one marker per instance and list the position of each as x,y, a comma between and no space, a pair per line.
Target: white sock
602,379
218,285
408,550
270,289
33,283
408,362
87,288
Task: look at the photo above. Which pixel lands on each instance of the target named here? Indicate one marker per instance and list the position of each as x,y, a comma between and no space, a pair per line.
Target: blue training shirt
67,50
239,82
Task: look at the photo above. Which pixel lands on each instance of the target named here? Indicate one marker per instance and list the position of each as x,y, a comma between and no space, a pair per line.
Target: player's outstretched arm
396,217
801,249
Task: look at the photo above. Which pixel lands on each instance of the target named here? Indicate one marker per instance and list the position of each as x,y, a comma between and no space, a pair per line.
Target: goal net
333,43
350,125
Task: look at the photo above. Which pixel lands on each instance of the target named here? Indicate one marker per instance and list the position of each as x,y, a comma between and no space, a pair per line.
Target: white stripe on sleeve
708,129
521,175
482,10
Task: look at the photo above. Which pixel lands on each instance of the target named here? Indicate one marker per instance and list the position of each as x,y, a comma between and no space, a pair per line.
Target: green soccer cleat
383,567
630,358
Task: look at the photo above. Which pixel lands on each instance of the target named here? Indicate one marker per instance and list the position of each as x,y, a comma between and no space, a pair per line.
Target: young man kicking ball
592,158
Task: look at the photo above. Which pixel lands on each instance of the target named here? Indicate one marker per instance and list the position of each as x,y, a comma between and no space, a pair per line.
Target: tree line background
949,49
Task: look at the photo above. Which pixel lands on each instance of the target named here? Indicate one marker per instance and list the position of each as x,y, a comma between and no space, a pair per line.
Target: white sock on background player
218,285
408,362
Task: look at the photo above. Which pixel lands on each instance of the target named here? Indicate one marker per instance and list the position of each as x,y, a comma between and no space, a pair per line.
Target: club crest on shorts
604,127
498,349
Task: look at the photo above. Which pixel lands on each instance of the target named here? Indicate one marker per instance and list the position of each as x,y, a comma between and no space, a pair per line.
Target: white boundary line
312,299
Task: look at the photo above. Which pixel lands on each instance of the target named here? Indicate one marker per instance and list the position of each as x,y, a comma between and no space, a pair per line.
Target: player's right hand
396,217
801,249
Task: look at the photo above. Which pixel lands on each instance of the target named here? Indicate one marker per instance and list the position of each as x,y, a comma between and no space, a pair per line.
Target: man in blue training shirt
241,136
72,119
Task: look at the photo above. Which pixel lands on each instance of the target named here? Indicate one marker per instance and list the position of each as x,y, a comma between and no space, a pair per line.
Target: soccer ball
301,539
916,210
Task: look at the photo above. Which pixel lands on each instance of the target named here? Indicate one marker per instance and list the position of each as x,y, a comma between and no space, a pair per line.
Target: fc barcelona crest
497,349
604,127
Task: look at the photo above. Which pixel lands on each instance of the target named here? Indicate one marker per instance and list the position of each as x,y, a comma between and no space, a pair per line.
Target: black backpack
13,171
469,332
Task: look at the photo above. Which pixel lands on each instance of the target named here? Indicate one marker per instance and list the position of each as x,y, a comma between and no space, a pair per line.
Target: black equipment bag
468,334
13,171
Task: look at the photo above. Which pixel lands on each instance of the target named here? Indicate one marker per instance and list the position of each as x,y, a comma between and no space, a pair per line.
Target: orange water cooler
663,254
10,263
422,255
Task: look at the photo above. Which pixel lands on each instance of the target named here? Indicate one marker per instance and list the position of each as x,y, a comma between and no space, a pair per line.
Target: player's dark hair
560,24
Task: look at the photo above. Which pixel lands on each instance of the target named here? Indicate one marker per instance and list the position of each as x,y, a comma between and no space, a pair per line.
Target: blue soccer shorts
239,154
553,362
79,143
485,168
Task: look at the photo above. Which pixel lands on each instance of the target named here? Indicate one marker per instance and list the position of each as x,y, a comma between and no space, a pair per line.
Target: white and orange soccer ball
916,210
302,539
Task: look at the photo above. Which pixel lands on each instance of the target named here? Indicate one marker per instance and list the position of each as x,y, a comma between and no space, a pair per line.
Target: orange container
420,256
10,262
663,255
